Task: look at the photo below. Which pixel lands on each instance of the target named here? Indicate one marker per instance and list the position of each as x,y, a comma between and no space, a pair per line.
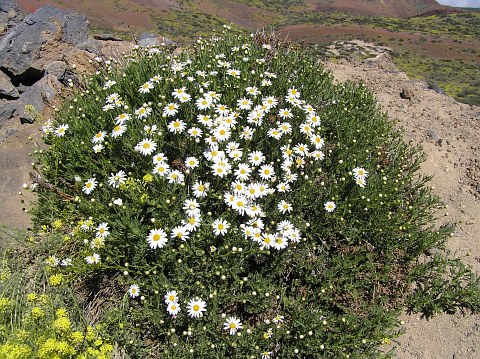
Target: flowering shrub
245,205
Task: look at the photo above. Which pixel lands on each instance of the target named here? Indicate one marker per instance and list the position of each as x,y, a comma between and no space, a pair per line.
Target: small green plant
38,317
232,202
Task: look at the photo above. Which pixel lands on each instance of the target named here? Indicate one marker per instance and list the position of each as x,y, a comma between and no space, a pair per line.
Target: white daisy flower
173,308
267,241
170,109
98,148
159,157
134,291
253,91
180,232
220,227
195,132
362,182
175,176
102,230
196,307
146,87
118,130
143,111
243,172
89,185
171,297
192,223
285,113
161,168
244,103
232,324
200,189
247,133
115,180
360,172
179,92
330,206
293,92
266,172
122,118
93,259
280,242
191,162
222,133
256,158
204,103
99,137
146,147
284,207
61,130
275,133
317,141
222,110
283,187
157,238
109,84
176,126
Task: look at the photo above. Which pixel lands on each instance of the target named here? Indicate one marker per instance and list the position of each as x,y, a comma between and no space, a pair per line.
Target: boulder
150,39
38,95
7,90
22,45
8,110
57,69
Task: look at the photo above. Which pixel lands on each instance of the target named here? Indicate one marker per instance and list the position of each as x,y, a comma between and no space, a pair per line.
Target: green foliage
321,257
35,322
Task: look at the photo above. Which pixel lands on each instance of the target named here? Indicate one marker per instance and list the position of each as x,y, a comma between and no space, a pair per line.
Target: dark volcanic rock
21,46
8,110
7,90
40,93
107,37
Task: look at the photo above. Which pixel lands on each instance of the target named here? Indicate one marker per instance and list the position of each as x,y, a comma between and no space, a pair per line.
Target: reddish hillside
390,8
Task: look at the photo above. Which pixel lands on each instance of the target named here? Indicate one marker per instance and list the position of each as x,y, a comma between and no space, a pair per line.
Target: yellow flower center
156,237
196,308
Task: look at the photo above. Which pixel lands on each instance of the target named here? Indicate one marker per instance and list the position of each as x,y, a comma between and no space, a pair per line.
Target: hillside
390,8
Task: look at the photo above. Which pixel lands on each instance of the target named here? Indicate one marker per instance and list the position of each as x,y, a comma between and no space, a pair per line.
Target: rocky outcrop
21,48
41,52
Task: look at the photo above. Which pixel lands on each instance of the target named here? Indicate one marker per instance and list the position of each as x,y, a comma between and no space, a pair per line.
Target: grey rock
57,69
8,110
23,44
7,5
147,39
41,92
150,39
7,90
91,45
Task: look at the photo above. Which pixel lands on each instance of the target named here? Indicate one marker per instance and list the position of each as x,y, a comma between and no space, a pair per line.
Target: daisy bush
242,204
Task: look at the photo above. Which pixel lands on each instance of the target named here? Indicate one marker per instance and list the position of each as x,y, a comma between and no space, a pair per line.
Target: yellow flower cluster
50,335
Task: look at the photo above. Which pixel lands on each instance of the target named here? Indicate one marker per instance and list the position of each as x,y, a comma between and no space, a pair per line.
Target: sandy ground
449,132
